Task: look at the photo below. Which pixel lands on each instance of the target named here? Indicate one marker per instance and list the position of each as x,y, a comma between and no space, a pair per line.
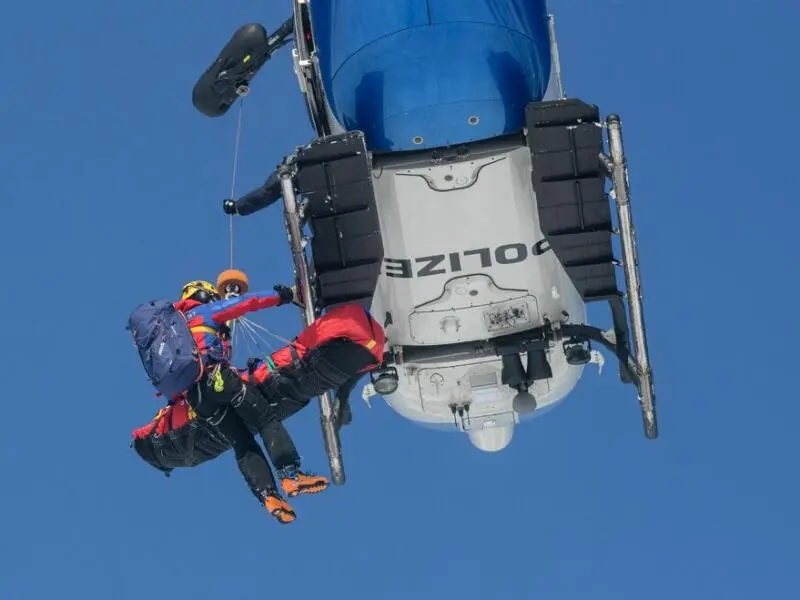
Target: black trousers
217,407
336,365
260,415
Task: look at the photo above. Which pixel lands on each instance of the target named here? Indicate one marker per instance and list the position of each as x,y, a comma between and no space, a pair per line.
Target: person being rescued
331,354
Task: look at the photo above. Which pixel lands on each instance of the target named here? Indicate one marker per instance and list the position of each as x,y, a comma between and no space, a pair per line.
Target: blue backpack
168,351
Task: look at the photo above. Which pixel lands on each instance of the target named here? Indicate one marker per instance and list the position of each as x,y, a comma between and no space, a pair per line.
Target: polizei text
464,260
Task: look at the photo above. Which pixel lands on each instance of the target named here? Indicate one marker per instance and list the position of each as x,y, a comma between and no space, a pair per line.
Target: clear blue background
101,149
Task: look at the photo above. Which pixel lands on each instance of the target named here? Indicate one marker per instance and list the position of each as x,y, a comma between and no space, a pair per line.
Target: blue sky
100,147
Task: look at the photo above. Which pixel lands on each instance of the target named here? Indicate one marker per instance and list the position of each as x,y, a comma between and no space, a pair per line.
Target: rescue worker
258,199
221,389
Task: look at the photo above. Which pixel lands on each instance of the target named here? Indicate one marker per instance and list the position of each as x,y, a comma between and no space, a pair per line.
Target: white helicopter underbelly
465,260
442,224
425,393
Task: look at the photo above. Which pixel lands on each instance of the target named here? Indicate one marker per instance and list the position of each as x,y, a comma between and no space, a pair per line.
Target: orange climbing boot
279,508
296,482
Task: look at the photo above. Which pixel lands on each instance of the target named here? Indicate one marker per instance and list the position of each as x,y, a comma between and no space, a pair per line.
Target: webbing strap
296,362
203,329
372,343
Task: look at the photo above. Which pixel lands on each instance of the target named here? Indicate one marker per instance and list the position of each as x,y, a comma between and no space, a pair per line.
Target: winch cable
235,168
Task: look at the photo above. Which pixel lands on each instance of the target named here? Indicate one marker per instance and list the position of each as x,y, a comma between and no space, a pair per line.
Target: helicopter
456,192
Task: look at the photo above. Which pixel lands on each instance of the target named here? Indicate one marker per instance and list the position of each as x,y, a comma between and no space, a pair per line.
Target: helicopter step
334,176
565,140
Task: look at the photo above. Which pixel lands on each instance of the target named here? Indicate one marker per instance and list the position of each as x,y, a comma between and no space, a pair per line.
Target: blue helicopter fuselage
434,72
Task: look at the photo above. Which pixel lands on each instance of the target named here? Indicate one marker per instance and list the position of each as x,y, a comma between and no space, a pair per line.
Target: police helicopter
455,191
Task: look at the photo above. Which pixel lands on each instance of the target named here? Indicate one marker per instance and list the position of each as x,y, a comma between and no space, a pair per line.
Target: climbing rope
235,168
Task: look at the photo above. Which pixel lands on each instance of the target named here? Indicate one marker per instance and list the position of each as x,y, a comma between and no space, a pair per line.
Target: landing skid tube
617,169
330,431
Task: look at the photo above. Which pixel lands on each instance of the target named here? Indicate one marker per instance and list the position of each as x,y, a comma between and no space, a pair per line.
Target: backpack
166,347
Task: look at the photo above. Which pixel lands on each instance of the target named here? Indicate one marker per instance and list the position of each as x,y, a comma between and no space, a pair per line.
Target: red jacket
350,321
169,418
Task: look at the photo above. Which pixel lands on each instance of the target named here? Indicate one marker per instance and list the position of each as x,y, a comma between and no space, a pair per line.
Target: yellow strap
371,344
219,383
204,329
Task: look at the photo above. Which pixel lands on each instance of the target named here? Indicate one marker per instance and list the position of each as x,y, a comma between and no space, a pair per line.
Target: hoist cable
235,167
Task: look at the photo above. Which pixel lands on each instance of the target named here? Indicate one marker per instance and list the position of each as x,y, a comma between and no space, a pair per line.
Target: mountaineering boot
279,508
296,482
